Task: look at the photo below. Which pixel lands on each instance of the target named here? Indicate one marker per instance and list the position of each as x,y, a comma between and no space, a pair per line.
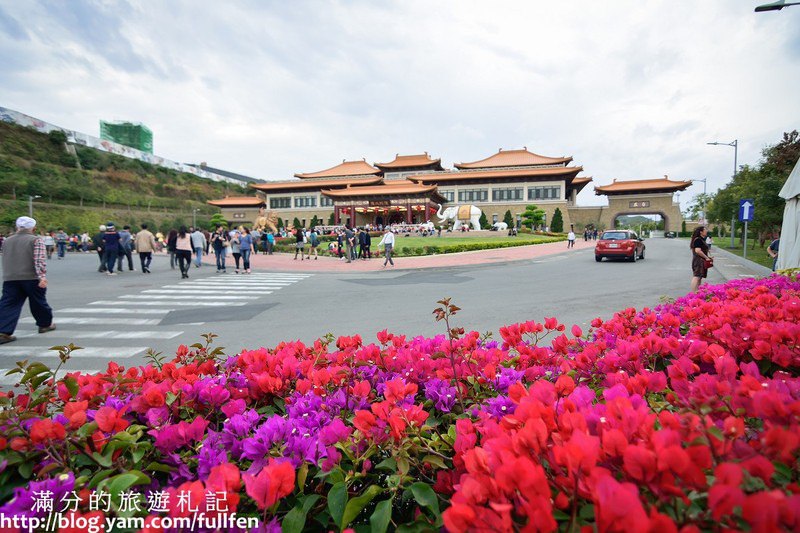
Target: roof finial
364,159
666,177
499,150
525,148
344,160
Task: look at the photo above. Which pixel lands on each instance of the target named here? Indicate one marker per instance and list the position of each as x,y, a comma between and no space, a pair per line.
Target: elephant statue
460,215
499,226
427,226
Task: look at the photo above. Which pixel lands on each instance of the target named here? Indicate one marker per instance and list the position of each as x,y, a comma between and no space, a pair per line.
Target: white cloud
629,89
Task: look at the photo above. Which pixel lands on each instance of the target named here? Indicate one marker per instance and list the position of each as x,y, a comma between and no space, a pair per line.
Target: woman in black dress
699,256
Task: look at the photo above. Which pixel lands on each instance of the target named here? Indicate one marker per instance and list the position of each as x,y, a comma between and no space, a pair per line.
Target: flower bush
681,417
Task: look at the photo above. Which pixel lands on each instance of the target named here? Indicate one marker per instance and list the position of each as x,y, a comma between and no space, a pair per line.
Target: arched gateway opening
642,223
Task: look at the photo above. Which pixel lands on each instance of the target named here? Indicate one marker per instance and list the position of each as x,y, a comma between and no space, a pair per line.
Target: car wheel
642,256
634,257
598,258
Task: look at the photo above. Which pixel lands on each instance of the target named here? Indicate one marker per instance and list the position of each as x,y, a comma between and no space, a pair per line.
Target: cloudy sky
630,89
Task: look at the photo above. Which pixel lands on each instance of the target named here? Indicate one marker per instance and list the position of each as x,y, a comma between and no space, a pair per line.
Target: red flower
110,420
458,517
640,463
46,430
76,413
275,481
364,421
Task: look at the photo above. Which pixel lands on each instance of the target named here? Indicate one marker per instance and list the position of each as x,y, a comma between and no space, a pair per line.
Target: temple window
473,195
283,202
305,201
507,194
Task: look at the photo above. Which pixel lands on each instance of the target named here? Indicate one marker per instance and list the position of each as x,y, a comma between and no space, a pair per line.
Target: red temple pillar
408,212
352,215
427,212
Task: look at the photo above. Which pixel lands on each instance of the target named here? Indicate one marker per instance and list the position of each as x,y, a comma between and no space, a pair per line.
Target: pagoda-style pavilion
387,203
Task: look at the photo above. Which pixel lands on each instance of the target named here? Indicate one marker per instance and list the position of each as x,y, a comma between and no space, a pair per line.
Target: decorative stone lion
266,219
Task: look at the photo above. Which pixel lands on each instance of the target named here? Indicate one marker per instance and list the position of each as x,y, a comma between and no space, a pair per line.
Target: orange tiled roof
514,158
661,185
238,201
346,168
497,174
400,161
316,183
385,189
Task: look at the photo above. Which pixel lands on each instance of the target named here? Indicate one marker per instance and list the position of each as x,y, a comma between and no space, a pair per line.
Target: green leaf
101,459
425,496
402,465
387,464
337,499
158,467
100,476
302,474
357,504
125,481
295,520
379,521
72,385
435,460
33,370
25,469
716,432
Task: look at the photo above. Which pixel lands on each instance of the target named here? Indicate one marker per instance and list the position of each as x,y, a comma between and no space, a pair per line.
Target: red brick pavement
279,262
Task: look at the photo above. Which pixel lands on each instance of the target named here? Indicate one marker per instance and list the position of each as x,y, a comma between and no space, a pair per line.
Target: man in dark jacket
24,277
100,246
111,248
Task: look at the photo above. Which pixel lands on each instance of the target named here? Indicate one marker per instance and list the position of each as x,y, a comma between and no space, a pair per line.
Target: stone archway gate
636,197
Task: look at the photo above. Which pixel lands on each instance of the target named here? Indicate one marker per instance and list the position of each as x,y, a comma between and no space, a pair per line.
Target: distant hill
81,187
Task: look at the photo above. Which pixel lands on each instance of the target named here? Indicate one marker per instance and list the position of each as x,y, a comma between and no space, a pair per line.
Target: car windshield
614,236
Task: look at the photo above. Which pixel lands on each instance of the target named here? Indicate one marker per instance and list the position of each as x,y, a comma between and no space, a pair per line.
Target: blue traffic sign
746,208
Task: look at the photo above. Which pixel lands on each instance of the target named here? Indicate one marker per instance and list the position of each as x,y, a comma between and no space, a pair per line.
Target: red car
619,243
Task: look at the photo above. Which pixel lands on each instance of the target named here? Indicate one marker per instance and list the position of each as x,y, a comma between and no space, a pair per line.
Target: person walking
145,243
100,246
236,248
339,244
61,242
365,246
172,237
84,242
111,248
349,243
219,241
125,248
701,260
49,243
387,241
270,243
299,243
183,251
198,245
773,249
571,238
247,245
24,277
313,239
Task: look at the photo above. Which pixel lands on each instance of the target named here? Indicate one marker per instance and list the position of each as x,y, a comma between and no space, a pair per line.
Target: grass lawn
755,254
497,238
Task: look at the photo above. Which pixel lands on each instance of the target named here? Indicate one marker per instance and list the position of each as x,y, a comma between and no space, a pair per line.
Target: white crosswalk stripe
103,352
135,317
77,334
85,320
8,381
113,311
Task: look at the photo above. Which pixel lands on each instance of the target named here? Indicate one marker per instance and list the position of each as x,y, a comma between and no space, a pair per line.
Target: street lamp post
775,6
735,145
704,180
194,217
30,204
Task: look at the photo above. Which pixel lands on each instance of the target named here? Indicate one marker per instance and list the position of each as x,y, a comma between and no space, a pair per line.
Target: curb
755,268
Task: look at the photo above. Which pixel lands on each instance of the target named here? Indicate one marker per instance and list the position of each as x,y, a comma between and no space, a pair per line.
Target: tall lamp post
735,145
30,204
775,6
194,217
704,180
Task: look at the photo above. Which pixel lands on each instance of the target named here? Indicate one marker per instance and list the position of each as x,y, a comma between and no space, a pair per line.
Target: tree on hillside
533,216
483,221
699,205
508,219
557,225
762,183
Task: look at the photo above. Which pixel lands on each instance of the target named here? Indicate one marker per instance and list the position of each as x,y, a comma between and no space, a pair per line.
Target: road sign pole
745,239
733,230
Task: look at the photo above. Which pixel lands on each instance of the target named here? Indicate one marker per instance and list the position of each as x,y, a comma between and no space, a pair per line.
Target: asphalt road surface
118,318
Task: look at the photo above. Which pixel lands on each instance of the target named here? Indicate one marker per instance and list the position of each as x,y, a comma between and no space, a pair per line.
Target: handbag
708,263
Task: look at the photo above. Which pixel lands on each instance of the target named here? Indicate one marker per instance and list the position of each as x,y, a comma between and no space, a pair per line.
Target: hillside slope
105,185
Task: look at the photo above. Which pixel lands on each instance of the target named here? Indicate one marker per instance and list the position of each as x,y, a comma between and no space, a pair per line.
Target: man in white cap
24,276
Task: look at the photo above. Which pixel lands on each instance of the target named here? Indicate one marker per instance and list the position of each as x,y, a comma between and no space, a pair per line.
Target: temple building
411,189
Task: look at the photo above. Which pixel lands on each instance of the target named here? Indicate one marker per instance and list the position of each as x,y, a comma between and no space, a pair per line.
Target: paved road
118,318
